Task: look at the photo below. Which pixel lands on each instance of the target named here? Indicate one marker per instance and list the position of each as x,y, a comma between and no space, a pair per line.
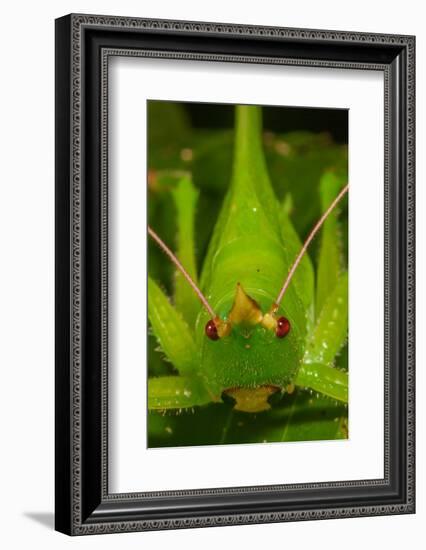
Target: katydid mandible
253,304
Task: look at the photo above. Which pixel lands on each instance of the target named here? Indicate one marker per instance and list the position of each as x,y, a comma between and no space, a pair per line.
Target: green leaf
342,358
329,381
312,417
301,416
331,330
212,163
330,263
161,217
176,392
171,330
303,278
296,162
185,196
158,364
169,132
202,426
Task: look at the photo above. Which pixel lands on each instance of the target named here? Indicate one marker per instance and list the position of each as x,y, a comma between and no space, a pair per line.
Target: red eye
283,327
211,330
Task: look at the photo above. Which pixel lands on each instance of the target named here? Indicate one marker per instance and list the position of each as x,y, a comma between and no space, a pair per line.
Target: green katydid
247,329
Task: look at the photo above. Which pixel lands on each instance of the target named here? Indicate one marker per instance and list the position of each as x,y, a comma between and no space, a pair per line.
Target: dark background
276,119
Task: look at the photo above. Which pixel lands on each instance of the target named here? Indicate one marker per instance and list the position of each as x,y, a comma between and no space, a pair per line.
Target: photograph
247,274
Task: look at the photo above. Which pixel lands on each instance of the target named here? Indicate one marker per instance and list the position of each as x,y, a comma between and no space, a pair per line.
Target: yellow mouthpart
252,400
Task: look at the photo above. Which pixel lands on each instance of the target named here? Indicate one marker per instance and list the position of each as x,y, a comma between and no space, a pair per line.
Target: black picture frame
83,45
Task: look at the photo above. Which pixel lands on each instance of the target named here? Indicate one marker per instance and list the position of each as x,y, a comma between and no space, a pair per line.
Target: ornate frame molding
76,510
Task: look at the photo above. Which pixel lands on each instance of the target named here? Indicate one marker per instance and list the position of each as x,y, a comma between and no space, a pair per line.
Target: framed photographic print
234,274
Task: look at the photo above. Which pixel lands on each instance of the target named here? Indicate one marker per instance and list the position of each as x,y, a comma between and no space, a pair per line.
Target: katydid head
246,314
244,354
